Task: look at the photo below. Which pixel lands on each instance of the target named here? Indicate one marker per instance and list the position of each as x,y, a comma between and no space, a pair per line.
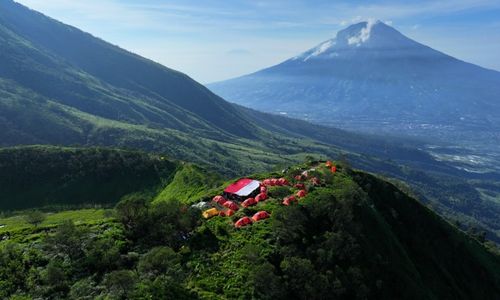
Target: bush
35,217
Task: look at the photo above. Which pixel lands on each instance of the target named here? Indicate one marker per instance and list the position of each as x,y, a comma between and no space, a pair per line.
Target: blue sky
212,40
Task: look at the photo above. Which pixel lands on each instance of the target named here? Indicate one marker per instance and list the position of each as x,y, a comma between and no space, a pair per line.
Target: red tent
219,200
334,169
229,212
282,181
231,205
266,182
242,189
288,200
300,186
329,164
243,222
263,189
261,197
249,202
301,193
261,215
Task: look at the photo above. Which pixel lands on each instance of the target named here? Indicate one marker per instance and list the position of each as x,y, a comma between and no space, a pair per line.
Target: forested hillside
353,236
48,176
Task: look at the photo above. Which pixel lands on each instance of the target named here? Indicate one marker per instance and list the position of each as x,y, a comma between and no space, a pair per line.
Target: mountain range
61,86
372,78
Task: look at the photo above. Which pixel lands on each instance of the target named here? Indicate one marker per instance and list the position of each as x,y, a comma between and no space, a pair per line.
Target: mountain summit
371,77
365,35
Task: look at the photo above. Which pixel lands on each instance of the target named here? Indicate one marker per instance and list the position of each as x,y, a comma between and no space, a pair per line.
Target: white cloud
364,34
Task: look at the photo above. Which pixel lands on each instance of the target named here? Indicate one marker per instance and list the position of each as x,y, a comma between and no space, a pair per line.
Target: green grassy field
82,216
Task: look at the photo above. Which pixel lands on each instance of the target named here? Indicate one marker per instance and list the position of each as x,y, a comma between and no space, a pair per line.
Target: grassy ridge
190,183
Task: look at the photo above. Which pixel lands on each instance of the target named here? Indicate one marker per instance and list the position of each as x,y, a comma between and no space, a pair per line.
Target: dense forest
353,236
52,176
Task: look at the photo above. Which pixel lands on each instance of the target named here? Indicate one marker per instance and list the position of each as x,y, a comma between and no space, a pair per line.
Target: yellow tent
207,214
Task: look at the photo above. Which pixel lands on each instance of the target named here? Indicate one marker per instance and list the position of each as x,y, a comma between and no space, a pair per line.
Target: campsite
246,196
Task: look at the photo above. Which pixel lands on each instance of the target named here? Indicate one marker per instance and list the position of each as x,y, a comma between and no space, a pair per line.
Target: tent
249,202
201,205
301,193
219,200
275,182
242,189
315,181
283,182
261,215
300,186
261,197
231,205
209,213
243,222
288,200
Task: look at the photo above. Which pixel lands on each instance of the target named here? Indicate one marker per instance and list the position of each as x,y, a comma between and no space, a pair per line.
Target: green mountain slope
61,86
354,236
95,93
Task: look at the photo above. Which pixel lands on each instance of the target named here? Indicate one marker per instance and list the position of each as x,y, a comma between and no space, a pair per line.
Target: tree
267,285
160,260
35,217
120,283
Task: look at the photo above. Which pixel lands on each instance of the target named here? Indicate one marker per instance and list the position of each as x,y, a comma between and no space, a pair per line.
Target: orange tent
261,215
243,222
209,213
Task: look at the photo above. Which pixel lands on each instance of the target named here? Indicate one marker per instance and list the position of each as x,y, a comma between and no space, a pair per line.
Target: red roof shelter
242,189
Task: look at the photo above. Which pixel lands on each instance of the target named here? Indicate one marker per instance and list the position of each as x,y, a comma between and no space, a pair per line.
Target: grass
83,216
